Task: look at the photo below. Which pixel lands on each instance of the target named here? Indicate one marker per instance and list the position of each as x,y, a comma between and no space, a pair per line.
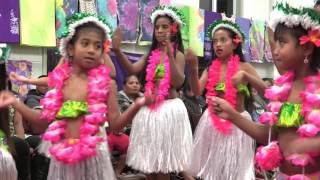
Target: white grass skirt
219,157
161,140
95,168
8,169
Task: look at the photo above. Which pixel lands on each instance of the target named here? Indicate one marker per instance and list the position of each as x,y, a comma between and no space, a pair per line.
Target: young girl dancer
161,138
293,120
82,100
221,150
7,164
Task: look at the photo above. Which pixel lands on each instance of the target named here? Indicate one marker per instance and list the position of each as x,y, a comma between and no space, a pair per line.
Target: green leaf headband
294,13
75,21
228,23
171,11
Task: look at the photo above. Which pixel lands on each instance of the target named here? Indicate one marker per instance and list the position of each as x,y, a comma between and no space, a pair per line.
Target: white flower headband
75,21
225,22
294,13
171,11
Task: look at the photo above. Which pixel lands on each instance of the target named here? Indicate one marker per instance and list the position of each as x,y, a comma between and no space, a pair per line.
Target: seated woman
119,141
129,93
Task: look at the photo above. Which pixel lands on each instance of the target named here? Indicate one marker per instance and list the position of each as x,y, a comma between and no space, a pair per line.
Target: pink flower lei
162,90
71,151
310,111
222,125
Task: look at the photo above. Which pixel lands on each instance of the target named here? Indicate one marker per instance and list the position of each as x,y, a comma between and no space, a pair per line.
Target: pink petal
274,106
304,40
314,117
308,130
300,159
298,177
269,157
268,118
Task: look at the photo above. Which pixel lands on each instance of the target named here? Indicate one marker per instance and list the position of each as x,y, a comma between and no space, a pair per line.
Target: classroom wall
258,10
245,8
37,56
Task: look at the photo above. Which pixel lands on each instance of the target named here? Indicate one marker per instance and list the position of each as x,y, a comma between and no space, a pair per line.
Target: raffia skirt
8,169
161,139
219,157
95,168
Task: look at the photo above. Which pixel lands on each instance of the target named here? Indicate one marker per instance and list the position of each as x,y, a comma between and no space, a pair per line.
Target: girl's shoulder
245,66
179,55
179,52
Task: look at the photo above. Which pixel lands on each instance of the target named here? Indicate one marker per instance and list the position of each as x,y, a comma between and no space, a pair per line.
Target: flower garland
310,111
70,151
222,125
162,90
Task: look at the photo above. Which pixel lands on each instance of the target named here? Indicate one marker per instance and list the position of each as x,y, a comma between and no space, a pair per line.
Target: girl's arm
257,131
118,121
108,62
7,99
304,145
197,85
18,125
177,65
253,78
134,68
39,81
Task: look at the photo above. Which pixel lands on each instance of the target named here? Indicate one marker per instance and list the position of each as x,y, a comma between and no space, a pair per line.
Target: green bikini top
289,115
221,87
72,109
159,72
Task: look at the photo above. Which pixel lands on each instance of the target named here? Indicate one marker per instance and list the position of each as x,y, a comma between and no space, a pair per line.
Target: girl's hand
239,77
7,99
166,40
222,108
191,59
16,77
117,39
148,99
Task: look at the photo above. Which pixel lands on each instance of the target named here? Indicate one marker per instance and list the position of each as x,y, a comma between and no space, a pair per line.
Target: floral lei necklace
162,90
70,151
222,125
270,157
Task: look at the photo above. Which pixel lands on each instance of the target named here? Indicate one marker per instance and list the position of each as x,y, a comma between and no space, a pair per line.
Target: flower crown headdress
294,13
297,12
75,21
225,22
171,11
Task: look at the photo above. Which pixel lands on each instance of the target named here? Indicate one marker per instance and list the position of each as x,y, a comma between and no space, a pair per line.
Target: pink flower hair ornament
313,37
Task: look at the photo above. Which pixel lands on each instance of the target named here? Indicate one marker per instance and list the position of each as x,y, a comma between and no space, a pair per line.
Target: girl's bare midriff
286,138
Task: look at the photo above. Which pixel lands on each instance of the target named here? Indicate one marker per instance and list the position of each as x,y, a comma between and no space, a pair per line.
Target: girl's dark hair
178,45
89,25
296,32
317,3
127,78
4,112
